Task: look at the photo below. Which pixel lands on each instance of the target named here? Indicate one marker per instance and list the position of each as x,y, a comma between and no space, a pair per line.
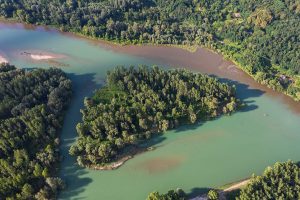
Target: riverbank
121,159
225,190
273,82
275,78
234,186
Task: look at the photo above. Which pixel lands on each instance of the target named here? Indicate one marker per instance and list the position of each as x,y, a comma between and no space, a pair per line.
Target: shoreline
113,45
237,185
224,190
20,24
121,159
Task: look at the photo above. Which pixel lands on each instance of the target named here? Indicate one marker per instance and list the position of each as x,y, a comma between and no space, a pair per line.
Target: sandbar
3,59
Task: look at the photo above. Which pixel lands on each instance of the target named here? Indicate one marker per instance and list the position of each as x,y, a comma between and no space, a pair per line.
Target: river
193,158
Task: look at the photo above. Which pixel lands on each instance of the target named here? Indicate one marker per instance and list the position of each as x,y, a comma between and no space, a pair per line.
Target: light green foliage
31,110
140,102
213,195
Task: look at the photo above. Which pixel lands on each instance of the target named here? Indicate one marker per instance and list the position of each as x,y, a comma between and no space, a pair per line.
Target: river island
139,103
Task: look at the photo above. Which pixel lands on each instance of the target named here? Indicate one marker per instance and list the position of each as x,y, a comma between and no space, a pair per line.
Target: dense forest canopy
262,36
32,105
139,102
282,181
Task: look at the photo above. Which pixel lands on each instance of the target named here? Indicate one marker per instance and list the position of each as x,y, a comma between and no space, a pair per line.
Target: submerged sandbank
39,55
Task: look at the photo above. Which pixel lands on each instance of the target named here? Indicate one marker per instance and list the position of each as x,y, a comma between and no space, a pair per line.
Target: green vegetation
282,181
279,182
213,195
139,103
261,36
32,105
171,195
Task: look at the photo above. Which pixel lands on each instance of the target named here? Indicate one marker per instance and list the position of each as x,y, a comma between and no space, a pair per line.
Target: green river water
193,158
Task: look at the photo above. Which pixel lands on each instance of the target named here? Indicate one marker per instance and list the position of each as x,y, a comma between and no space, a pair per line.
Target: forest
32,107
260,36
140,102
281,181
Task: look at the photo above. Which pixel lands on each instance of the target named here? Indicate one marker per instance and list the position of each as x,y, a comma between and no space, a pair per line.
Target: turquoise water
193,158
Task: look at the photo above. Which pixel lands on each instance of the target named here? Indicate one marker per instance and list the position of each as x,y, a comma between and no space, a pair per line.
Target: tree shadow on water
246,94
74,181
70,172
197,192
189,127
154,141
202,192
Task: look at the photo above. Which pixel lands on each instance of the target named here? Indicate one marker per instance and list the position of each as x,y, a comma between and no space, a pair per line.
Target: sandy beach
237,185
3,59
222,193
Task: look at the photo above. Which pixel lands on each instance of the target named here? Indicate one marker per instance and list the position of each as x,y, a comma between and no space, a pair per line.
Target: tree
213,195
34,102
27,191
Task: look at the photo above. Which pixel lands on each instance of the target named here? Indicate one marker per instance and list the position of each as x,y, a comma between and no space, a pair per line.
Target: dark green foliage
279,182
137,103
32,105
171,195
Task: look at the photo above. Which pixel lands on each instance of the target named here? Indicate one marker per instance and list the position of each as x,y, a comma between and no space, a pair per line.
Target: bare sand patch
237,185
3,59
41,57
